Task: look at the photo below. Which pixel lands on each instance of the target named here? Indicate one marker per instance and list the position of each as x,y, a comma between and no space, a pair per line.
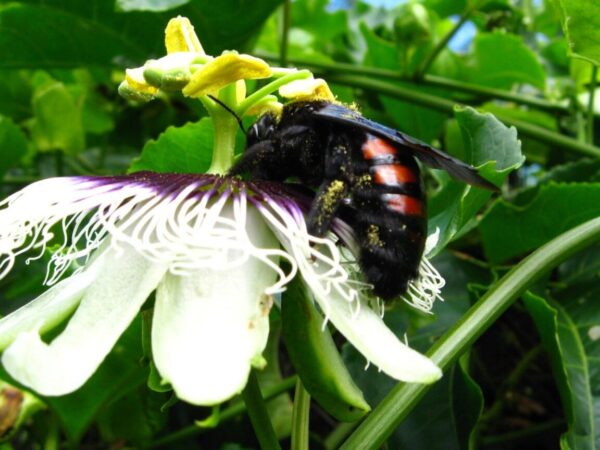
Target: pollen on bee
373,236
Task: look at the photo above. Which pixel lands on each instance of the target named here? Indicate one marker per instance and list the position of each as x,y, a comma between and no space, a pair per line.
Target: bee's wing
427,154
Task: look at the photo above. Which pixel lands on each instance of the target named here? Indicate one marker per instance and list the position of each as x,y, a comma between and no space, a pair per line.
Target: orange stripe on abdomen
403,204
393,175
376,148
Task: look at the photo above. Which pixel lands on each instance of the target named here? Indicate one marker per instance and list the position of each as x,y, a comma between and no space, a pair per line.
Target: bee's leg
329,197
262,160
335,186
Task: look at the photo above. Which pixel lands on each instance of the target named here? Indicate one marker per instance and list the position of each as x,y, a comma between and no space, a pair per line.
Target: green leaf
487,144
13,144
313,16
77,33
149,5
57,122
445,8
15,94
96,114
501,60
511,229
186,149
581,24
467,405
135,417
582,170
570,334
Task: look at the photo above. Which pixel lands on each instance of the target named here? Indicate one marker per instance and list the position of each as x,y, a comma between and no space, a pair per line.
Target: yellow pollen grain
373,236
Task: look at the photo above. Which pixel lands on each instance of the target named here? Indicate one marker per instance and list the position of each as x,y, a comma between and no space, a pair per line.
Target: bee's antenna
231,111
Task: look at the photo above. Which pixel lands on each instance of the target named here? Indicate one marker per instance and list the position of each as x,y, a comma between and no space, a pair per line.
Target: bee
360,170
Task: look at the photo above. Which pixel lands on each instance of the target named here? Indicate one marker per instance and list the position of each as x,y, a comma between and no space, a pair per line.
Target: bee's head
263,129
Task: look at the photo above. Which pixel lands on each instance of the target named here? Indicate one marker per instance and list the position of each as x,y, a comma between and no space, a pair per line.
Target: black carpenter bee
361,170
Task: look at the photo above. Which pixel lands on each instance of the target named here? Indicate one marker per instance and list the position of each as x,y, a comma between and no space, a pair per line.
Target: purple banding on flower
192,221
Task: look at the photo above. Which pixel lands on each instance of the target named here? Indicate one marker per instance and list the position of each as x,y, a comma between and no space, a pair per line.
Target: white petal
366,330
211,325
50,308
108,306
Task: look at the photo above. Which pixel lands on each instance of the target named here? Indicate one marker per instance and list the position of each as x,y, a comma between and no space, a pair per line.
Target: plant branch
590,109
404,397
325,69
300,418
441,104
441,45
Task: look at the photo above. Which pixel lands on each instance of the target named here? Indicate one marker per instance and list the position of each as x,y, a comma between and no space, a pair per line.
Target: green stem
227,414
52,437
285,30
257,96
441,104
441,45
590,109
225,126
404,397
339,435
259,415
483,92
300,418
224,143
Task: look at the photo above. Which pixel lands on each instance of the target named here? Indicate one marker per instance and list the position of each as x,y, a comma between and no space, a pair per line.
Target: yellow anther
223,70
180,37
307,89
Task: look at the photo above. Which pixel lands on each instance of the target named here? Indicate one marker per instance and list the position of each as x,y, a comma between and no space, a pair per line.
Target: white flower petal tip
108,306
365,329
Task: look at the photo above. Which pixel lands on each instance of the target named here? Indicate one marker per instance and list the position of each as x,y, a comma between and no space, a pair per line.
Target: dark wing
427,154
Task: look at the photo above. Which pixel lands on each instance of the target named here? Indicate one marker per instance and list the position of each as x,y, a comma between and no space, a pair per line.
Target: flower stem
257,96
300,418
258,415
223,144
590,111
225,125
404,397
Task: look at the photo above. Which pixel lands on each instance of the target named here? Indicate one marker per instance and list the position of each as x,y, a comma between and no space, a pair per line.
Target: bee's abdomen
391,217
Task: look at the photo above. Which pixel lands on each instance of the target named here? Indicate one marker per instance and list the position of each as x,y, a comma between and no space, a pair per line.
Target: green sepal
316,358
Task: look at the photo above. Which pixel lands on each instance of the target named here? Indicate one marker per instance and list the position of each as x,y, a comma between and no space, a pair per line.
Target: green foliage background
532,380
